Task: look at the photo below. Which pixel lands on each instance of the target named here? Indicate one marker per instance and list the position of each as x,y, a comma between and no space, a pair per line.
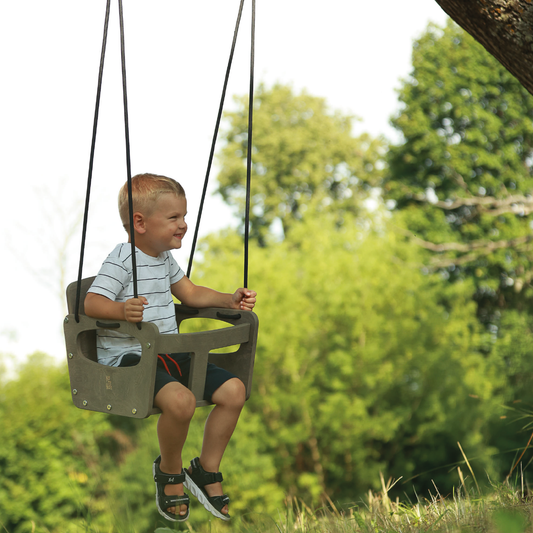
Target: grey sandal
195,483
162,500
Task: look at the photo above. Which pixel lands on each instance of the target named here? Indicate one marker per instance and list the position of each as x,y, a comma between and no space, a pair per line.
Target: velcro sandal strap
201,477
173,501
168,479
219,502
212,477
224,499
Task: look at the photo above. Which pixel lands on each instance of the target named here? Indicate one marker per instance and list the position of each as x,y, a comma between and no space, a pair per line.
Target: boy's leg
229,400
177,404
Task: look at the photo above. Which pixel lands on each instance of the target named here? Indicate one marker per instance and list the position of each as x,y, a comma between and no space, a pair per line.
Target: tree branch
503,27
517,204
471,250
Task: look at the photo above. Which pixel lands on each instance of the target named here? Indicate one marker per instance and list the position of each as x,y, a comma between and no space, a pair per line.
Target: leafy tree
364,364
462,184
50,452
511,430
463,174
65,470
303,154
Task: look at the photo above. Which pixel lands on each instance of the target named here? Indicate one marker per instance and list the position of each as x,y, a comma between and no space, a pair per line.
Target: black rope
91,161
128,155
249,154
213,143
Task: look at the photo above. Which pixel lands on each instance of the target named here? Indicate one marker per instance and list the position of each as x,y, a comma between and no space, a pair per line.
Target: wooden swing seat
129,391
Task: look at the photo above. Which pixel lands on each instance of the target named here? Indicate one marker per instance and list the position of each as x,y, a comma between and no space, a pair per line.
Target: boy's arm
98,306
195,296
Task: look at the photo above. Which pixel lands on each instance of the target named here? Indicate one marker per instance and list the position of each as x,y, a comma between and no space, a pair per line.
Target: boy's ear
139,223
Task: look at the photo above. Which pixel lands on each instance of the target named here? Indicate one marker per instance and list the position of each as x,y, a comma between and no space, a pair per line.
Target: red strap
177,366
164,362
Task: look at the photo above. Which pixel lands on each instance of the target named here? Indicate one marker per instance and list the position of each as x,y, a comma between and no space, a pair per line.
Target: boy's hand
244,299
133,309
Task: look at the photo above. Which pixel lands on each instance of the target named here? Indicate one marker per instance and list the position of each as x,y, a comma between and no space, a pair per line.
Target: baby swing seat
129,391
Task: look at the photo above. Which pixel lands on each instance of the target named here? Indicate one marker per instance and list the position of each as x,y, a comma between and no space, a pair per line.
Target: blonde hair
146,189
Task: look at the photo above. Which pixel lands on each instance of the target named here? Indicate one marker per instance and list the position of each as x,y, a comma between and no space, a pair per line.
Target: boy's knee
231,393
180,403
186,403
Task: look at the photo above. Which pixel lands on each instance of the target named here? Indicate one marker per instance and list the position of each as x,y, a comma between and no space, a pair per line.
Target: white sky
353,53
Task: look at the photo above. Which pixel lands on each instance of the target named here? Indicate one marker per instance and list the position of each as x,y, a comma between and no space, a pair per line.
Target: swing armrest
123,391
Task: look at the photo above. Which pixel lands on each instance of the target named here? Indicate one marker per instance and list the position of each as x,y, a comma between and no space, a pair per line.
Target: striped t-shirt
155,275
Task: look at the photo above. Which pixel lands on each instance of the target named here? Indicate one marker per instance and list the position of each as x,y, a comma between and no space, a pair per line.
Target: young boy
159,209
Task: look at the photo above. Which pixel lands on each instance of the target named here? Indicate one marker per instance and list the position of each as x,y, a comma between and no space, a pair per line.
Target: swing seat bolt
148,345
85,403
70,355
109,408
134,411
74,391
66,320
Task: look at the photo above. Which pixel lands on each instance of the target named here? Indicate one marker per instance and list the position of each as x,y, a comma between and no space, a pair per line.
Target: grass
508,509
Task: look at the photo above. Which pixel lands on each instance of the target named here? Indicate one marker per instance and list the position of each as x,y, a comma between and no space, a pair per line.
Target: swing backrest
129,391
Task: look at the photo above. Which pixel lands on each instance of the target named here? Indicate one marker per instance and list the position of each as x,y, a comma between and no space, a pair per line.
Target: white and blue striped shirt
155,275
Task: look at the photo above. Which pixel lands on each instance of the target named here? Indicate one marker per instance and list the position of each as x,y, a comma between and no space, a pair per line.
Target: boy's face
166,226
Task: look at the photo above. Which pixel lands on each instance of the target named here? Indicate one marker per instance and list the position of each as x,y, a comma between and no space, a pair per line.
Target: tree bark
503,27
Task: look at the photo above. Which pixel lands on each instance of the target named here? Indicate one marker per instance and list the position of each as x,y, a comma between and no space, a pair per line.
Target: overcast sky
353,53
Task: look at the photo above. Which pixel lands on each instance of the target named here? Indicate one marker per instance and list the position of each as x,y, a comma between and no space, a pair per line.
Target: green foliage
463,173
462,179
513,352
67,470
50,452
364,364
303,154
510,522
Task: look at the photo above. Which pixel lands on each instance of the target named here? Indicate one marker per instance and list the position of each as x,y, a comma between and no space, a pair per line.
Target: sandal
195,483
162,500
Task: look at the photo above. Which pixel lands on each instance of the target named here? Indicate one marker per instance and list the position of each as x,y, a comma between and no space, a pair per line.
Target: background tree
63,470
51,454
462,185
364,364
303,153
513,353
462,178
503,27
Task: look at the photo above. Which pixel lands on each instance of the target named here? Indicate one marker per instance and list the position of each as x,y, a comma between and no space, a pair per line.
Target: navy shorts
176,367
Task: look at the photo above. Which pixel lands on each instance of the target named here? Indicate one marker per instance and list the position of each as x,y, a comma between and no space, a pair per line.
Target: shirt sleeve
113,277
